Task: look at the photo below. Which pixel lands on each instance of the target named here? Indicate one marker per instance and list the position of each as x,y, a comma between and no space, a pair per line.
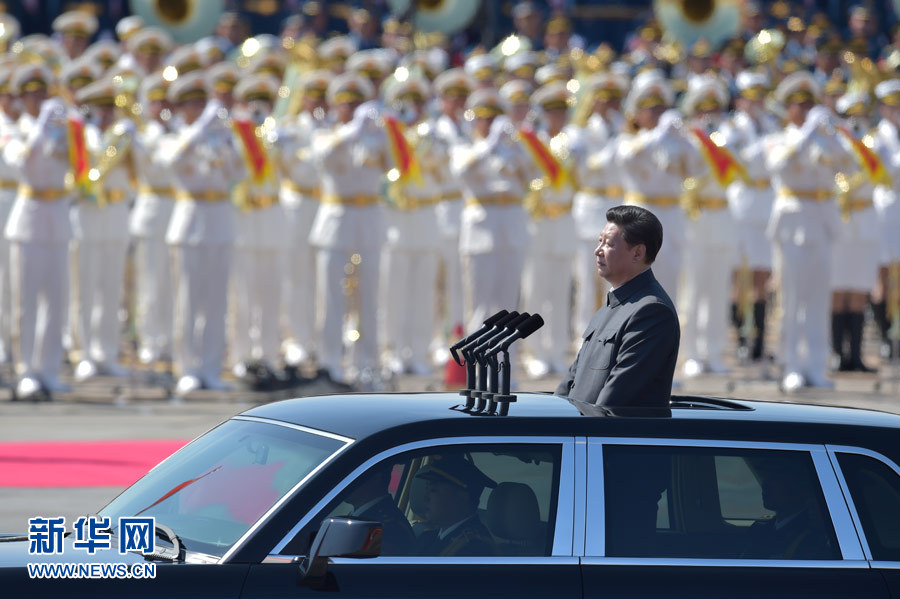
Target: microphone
510,328
524,329
488,325
498,325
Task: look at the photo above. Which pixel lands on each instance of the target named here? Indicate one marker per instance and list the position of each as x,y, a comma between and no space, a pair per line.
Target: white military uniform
654,164
495,173
299,194
547,276
449,220
256,282
9,182
205,165
599,189
100,230
349,229
887,198
39,230
803,162
409,261
154,303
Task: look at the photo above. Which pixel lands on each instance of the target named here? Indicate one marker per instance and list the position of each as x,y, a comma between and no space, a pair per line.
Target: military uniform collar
446,531
622,293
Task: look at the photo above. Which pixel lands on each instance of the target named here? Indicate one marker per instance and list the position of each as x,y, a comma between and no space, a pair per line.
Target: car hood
14,552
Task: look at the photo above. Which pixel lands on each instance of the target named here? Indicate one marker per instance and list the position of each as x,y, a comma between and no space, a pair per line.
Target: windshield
215,488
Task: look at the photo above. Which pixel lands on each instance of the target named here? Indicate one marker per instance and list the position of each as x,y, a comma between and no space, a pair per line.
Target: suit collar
621,294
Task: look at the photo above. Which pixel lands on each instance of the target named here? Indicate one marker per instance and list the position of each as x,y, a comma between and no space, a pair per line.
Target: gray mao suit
629,350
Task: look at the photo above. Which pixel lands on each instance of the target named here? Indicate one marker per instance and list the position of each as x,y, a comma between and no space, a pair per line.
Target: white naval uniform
205,165
300,194
751,201
39,230
599,189
495,173
856,256
709,259
350,221
100,232
547,275
804,224
449,220
409,261
9,182
654,165
256,281
887,198
154,303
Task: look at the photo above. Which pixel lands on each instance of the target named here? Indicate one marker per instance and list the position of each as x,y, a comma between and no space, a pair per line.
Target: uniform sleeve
649,344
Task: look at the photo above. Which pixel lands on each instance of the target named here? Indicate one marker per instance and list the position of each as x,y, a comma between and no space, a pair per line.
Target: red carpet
115,463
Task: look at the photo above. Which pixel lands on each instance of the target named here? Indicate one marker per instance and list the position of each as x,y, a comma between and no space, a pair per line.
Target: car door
871,483
689,518
518,533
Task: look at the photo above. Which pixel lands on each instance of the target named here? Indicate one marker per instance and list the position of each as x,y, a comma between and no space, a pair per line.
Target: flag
253,150
543,157
724,166
79,159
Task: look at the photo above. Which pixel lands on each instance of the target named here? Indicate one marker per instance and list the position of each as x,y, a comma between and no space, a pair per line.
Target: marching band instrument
445,16
688,21
185,20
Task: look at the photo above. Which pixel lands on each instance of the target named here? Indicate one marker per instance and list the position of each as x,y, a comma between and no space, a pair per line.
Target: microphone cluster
483,349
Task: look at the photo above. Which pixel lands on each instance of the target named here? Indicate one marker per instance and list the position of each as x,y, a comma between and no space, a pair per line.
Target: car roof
359,415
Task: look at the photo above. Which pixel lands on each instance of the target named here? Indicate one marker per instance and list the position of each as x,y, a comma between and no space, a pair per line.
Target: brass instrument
688,21
445,16
185,20
764,47
9,30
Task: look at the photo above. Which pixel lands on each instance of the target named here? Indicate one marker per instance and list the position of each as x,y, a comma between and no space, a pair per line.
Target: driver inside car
452,492
371,501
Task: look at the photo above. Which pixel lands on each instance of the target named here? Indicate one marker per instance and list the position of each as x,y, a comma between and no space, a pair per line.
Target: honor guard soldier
38,230
709,241
77,74
148,222
452,88
148,46
855,259
547,276
482,68
103,52
75,28
372,65
9,182
516,97
803,161
128,26
522,65
495,171
100,228
750,201
886,300
300,193
652,158
184,60
335,51
410,257
348,232
261,233
599,186
205,165
221,79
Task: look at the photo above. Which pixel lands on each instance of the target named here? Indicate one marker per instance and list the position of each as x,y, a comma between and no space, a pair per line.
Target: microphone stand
504,398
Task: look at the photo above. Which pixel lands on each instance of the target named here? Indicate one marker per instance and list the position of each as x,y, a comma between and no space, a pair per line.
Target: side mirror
341,537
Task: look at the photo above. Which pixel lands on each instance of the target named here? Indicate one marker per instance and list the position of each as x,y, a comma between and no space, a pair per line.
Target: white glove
818,116
501,128
670,119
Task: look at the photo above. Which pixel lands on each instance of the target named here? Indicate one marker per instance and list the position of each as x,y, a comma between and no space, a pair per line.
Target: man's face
797,111
529,25
891,113
518,112
226,98
453,105
74,45
8,105
616,262
191,109
557,40
31,101
483,126
556,119
604,107
647,118
444,502
344,111
150,62
310,104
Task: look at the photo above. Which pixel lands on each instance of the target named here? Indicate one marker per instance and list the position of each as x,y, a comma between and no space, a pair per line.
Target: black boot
838,326
759,324
879,311
738,324
856,322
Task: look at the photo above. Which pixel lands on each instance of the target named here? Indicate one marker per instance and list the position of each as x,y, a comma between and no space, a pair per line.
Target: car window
714,503
460,500
875,490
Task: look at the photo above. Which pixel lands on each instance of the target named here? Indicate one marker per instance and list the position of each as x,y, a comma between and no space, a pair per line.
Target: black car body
708,498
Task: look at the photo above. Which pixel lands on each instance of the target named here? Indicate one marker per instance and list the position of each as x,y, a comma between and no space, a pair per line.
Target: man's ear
640,252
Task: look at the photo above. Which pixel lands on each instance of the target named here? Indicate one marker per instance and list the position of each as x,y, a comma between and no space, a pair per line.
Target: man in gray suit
631,345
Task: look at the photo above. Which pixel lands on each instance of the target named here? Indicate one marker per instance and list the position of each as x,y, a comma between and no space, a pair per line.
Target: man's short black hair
639,226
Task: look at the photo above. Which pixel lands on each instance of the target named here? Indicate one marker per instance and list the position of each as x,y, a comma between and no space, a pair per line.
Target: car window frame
561,551
594,549
347,442
833,451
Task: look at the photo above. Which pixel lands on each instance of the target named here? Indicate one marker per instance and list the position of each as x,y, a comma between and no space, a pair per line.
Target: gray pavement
109,409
